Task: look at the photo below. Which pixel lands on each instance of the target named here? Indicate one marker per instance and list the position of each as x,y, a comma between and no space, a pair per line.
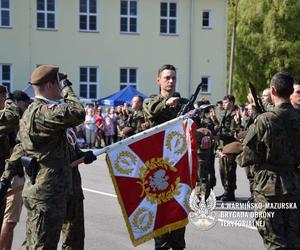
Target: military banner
153,178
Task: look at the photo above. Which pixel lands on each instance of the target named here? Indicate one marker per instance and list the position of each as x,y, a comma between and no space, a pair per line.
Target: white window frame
45,12
209,83
128,83
209,26
128,16
9,12
168,18
88,83
10,75
88,14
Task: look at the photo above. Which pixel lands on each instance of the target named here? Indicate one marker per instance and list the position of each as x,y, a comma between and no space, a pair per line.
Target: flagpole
149,132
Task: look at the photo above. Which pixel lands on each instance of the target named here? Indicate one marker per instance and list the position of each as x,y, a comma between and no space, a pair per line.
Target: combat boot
228,196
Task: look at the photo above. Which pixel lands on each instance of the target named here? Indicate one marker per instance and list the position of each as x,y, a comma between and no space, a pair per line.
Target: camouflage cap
233,148
44,73
3,89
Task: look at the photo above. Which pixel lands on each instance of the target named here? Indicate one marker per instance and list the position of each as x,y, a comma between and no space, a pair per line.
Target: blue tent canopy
119,98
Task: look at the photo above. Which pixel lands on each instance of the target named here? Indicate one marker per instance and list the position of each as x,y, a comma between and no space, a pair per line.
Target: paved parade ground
106,229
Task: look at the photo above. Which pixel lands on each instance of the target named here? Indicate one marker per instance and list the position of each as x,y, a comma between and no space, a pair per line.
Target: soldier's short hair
166,66
141,99
283,83
229,98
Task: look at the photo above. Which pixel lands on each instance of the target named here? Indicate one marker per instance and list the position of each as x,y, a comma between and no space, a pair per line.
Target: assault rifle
258,103
189,105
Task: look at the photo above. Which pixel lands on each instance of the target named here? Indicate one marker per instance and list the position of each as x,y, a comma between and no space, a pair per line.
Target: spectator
90,128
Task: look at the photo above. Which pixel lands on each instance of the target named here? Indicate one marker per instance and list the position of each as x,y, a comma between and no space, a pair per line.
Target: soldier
272,145
159,109
43,140
228,127
137,121
14,202
73,228
9,120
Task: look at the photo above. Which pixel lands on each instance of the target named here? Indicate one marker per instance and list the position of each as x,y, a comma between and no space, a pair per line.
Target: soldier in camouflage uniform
73,232
137,120
159,109
228,127
272,145
9,120
42,136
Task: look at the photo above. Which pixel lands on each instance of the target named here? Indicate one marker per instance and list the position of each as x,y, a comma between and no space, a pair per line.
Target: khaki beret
201,132
3,89
44,73
233,148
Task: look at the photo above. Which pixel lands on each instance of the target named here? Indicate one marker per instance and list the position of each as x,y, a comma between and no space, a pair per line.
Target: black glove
89,157
64,82
4,185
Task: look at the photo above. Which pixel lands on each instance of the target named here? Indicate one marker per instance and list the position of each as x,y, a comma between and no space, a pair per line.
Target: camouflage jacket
42,135
135,121
9,118
272,145
158,112
227,128
9,121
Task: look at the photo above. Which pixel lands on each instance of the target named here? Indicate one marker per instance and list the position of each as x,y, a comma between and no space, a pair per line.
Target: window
128,20
5,13
128,77
206,86
168,18
5,75
88,82
45,14
88,15
206,19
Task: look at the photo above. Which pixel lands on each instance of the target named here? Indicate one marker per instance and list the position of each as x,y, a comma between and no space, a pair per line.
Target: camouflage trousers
281,231
250,176
228,173
73,227
44,222
173,239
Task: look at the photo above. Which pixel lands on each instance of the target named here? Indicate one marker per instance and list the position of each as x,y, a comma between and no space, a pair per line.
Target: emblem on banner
156,183
142,220
176,142
124,161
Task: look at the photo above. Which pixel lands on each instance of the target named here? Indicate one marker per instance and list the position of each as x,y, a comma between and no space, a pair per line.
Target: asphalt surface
106,230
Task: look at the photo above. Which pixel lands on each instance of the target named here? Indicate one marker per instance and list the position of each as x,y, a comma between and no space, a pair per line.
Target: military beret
128,131
21,96
233,148
3,89
44,73
201,132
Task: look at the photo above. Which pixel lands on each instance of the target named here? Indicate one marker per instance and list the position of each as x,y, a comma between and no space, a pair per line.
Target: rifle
258,103
189,105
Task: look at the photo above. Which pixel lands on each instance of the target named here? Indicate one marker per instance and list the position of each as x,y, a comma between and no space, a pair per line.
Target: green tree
268,33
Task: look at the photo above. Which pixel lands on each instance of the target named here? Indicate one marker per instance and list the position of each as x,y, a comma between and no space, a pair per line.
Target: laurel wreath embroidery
162,197
180,139
186,202
122,159
137,222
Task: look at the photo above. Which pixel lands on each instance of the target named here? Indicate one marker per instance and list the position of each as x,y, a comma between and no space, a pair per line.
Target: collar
47,100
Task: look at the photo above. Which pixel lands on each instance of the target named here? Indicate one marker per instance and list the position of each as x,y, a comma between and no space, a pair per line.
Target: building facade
105,45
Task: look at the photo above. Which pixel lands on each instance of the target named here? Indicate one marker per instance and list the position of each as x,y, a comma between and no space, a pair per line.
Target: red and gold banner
153,179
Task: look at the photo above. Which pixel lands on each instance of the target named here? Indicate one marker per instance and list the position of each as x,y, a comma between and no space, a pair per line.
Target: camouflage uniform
42,135
135,121
272,145
73,227
9,120
158,112
207,156
228,128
